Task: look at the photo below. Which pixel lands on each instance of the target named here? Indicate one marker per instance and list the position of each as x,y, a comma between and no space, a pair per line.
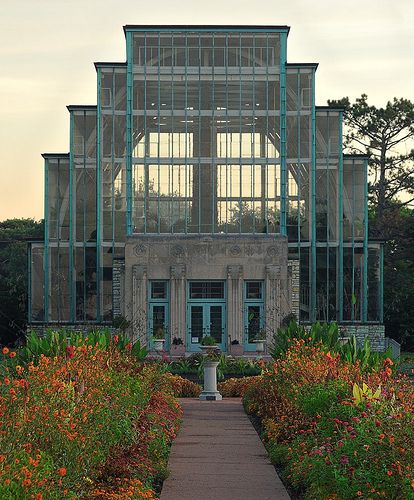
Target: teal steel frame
312,266
129,106
283,173
46,250
249,346
340,255
164,302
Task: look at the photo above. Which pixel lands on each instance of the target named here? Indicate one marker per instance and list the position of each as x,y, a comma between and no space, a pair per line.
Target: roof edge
329,108
55,155
202,27
104,64
302,65
356,155
81,107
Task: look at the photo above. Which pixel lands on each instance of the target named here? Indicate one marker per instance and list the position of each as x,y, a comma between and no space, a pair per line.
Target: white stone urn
259,345
210,392
159,344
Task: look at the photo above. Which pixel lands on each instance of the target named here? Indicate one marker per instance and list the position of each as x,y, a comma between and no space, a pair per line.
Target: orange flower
382,436
12,354
389,472
5,350
62,472
39,496
6,381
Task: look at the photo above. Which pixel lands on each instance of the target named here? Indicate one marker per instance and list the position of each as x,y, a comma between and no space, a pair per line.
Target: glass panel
254,290
253,322
196,324
206,290
216,322
158,320
158,290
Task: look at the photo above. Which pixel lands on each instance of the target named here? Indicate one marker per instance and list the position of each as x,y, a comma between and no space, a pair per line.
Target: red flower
62,472
128,347
115,339
70,351
5,350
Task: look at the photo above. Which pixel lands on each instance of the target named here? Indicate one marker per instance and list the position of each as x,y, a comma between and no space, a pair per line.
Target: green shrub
317,399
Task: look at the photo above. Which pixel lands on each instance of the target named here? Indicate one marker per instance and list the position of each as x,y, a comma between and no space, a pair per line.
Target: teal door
158,322
206,319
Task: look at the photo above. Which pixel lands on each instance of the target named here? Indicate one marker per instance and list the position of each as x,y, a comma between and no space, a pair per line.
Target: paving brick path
219,456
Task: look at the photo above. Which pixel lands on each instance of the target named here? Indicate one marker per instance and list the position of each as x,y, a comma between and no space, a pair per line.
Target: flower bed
90,423
340,432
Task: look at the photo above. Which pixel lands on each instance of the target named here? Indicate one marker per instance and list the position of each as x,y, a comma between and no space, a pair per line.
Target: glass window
254,290
206,290
158,290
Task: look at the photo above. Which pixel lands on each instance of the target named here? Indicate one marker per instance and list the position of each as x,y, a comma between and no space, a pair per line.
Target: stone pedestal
210,392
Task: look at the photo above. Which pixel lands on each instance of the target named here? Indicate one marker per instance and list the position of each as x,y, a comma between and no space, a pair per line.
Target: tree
14,234
387,136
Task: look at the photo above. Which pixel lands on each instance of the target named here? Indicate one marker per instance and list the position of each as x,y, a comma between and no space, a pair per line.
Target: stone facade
375,333
233,259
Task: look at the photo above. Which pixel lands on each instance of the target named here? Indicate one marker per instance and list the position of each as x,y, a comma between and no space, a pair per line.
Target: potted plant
235,348
260,340
209,345
177,347
211,360
159,339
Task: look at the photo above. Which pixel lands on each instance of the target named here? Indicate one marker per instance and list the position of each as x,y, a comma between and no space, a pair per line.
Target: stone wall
231,258
375,333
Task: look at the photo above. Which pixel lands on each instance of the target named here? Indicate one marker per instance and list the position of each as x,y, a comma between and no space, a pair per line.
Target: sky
47,50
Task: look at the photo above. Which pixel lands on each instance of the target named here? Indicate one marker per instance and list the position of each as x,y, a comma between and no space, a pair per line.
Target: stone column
118,287
178,302
235,303
139,304
293,268
273,300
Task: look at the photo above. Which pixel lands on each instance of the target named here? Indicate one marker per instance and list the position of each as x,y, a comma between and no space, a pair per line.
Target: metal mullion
29,281
129,118
147,145
186,122
57,247
283,133
159,134
266,147
327,215
381,286
253,142
199,135
240,135
46,248
364,284
71,208
84,189
226,54
340,257
171,133
213,141
299,172
312,266
113,167
353,241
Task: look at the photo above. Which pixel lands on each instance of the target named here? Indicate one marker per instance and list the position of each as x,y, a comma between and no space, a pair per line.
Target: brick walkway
219,456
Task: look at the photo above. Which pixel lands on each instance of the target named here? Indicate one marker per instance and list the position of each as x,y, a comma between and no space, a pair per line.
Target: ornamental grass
339,432
91,423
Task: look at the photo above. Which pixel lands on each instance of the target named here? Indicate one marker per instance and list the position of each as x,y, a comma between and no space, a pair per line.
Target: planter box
236,349
177,349
259,345
159,345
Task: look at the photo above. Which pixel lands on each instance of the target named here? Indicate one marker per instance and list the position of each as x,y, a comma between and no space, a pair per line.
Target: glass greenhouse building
206,193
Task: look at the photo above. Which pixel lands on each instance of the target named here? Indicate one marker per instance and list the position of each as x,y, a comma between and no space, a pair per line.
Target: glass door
206,319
